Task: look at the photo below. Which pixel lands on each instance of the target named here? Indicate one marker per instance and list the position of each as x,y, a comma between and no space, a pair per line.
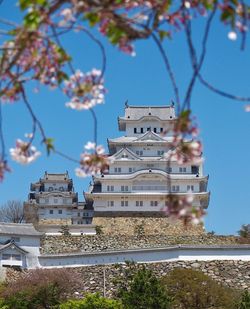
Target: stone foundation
58,222
92,243
234,274
144,225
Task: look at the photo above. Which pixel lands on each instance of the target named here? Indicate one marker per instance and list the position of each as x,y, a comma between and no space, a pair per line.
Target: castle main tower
137,183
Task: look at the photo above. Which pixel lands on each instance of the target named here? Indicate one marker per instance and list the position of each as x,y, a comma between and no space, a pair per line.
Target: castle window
51,212
175,188
124,188
139,203
154,203
148,129
118,169
169,169
155,130
124,203
182,169
141,130
60,211
160,152
111,203
55,200
110,188
139,152
190,188
161,130
78,214
130,169
135,130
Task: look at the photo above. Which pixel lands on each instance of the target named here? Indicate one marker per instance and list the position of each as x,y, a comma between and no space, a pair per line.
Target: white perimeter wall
144,256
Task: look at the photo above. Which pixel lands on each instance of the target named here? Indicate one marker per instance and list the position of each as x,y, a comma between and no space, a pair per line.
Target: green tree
245,301
193,289
244,231
145,291
92,301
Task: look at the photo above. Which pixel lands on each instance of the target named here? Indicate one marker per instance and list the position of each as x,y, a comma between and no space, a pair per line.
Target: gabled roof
131,139
150,136
125,154
12,245
22,229
161,112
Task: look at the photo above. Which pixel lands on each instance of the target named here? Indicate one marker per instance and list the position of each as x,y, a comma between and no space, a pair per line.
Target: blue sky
142,80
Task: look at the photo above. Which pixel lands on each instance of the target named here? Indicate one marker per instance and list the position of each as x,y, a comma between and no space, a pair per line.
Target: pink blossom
92,163
232,35
85,90
3,169
247,108
24,152
178,207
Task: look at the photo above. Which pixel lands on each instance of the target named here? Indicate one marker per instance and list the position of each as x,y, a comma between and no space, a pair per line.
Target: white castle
141,176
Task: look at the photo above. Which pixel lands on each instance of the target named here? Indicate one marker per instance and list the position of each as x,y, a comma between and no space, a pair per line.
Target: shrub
39,289
244,232
144,291
99,230
192,289
245,301
92,301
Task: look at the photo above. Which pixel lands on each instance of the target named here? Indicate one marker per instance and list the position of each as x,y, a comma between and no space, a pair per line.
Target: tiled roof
161,112
25,229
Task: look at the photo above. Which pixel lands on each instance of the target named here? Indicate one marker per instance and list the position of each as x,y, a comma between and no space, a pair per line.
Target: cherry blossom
92,163
85,90
186,147
3,169
232,35
68,16
247,108
24,152
178,207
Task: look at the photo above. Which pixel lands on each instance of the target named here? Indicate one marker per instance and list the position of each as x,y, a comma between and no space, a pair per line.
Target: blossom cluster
3,169
178,207
24,152
186,147
84,90
93,162
34,54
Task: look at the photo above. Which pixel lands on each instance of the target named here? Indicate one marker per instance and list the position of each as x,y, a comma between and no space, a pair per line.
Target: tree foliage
145,291
39,288
92,301
192,289
244,232
244,301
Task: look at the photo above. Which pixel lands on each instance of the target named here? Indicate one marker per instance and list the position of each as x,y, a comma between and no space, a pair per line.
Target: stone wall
91,243
58,222
147,225
234,274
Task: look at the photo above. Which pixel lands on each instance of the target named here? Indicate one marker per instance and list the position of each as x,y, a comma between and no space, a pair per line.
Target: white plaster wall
144,256
45,213
141,165
150,185
56,186
102,204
